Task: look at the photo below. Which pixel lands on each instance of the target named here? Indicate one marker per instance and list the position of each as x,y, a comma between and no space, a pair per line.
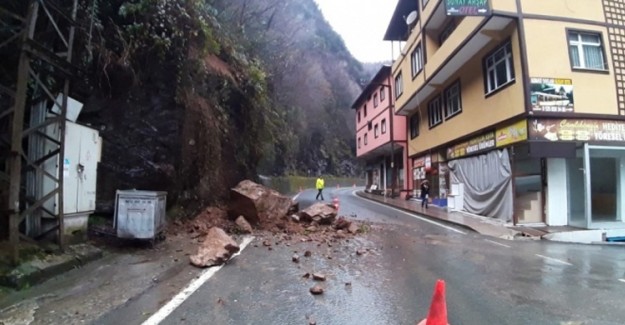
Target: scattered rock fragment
322,213
307,253
243,225
347,284
342,223
295,258
319,277
267,243
294,217
360,252
306,276
312,321
316,290
353,228
216,249
257,202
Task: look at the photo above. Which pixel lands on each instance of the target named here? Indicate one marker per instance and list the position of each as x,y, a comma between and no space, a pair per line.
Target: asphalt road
489,281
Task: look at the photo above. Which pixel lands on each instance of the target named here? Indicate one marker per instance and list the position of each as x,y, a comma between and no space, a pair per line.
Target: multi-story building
381,135
518,108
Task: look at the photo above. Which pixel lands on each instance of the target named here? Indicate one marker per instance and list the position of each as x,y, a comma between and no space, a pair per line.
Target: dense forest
192,96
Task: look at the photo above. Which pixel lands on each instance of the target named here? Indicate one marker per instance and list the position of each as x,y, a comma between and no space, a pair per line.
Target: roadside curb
41,269
448,222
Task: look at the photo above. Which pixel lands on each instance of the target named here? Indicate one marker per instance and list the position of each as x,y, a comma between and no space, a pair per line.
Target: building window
499,68
358,116
383,127
414,126
376,131
446,32
586,51
375,100
435,113
365,139
399,85
365,110
369,126
453,100
382,94
358,142
416,60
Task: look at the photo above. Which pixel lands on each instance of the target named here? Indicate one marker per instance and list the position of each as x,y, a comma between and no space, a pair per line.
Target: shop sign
576,130
418,162
467,7
511,134
476,145
552,95
428,161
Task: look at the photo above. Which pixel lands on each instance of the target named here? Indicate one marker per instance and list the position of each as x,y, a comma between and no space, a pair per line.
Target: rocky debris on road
307,253
243,225
266,243
323,214
258,204
216,249
295,258
360,252
318,277
316,290
353,228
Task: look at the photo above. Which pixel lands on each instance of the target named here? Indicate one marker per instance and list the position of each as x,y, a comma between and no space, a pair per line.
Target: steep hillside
191,96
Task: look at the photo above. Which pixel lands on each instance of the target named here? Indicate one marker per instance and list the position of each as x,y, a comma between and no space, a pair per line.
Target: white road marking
622,280
412,215
183,295
496,243
297,195
554,260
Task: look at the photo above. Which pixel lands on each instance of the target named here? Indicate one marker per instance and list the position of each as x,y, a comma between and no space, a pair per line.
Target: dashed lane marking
497,243
554,260
183,295
412,215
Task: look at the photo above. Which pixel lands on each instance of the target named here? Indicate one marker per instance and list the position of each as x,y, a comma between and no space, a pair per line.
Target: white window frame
376,131
375,100
490,67
365,139
399,85
453,94
383,126
416,60
580,44
435,112
382,94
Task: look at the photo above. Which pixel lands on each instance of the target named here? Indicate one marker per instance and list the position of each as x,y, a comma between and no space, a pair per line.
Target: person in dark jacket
425,193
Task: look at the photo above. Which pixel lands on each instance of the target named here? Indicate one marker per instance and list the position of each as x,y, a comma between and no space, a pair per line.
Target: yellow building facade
516,108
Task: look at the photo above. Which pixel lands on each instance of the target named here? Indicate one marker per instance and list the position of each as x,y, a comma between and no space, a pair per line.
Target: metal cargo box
140,214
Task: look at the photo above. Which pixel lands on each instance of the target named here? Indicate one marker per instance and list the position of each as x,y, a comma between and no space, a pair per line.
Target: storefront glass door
577,192
606,185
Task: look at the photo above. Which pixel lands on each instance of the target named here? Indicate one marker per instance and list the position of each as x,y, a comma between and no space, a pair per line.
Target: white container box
140,214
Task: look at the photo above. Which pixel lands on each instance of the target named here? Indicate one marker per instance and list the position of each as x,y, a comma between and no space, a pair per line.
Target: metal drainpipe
392,130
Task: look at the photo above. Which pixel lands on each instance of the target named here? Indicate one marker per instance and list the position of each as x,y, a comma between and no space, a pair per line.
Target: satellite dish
412,17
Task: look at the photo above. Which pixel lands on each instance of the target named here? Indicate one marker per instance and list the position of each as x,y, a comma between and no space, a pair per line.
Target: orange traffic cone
438,308
335,202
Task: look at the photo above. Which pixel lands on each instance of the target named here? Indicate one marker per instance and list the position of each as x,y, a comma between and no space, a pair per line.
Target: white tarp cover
487,183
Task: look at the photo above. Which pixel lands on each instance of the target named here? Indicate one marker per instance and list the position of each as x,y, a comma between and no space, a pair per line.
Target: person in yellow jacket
320,186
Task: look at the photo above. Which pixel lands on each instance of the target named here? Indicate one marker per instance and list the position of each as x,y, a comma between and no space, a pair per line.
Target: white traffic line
496,243
554,260
412,215
176,301
622,280
297,195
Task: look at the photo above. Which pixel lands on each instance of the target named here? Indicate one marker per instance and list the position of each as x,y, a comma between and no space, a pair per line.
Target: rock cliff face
193,96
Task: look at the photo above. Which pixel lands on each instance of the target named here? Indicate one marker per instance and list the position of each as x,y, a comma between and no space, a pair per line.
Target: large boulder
216,249
258,203
323,214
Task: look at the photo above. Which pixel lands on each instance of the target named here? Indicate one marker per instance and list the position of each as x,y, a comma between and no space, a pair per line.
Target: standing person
425,193
320,185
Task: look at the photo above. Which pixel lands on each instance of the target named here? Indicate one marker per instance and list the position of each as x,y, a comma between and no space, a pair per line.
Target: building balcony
471,35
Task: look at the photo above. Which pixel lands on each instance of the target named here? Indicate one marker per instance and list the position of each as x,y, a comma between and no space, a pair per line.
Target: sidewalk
485,226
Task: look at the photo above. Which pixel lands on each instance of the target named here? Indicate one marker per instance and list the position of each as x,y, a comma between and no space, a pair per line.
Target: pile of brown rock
253,206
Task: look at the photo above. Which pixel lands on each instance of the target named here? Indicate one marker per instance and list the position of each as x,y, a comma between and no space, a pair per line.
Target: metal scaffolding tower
43,38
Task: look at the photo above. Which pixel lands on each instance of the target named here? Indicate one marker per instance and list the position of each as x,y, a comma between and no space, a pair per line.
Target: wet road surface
489,281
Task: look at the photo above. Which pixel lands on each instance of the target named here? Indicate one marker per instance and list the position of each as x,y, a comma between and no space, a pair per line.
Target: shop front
585,169
433,168
483,173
